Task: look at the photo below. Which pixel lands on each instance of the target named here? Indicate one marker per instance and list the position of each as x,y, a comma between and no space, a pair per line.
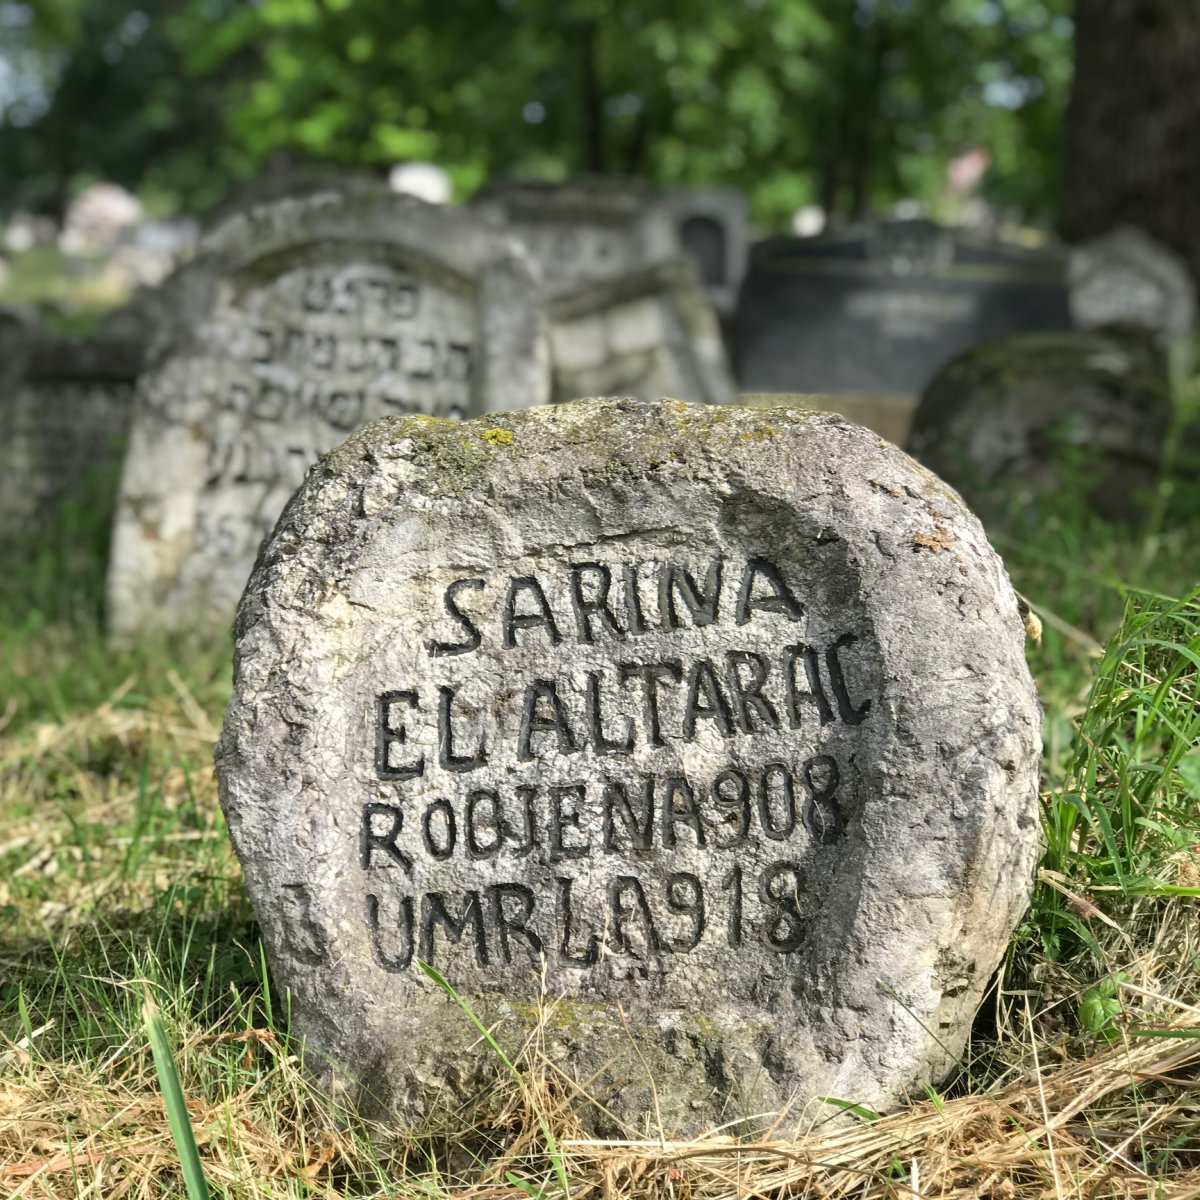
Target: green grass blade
552,1149
859,1110
177,1114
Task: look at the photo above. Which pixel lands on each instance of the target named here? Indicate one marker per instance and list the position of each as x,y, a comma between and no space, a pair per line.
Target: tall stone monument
878,308
296,323
713,226
712,726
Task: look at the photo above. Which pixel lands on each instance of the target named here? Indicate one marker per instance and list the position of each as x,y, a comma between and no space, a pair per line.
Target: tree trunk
1133,123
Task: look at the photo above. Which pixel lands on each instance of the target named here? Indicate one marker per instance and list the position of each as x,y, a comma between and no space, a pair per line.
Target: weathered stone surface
710,722
64,410
888,416
294,325
585,231
1025,416
650,333
1127,277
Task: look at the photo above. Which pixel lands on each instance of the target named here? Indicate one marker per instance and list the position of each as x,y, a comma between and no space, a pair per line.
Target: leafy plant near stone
115,868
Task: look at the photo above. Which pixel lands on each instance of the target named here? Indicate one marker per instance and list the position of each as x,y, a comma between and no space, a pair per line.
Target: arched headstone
296,323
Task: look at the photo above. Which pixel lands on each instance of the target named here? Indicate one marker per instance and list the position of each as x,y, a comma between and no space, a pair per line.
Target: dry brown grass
1119,1120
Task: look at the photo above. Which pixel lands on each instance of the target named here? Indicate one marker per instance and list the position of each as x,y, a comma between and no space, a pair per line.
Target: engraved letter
514,620
781,600
435,913
516,924
388,735
446,756
597,606
369,840
702,606
846,710
533,722
473,635
650,674
616,802
702,678
747,693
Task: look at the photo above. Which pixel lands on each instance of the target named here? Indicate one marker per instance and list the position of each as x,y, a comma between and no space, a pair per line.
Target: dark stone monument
880,308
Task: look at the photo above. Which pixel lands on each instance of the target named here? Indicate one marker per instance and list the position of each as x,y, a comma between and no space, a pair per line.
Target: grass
71,294
118,886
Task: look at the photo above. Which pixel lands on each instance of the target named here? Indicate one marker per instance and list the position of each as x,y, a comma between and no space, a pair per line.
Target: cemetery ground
120,894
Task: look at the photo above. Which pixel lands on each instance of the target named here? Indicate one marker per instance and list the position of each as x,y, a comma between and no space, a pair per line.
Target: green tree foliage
852,103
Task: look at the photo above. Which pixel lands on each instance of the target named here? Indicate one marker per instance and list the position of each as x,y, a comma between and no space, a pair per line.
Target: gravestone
1026,417
64,411
1127,277
284,181
711,725
648,333
294,325
880,308
585,231
713,226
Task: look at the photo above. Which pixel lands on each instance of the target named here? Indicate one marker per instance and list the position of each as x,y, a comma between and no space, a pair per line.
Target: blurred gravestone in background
584,231
17,322
1127,276
1028,416
878,308
295,324
713,226
647,333
281,180
629,315
64,411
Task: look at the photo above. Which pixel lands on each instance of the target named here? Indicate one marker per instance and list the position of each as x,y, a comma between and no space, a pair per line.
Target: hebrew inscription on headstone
712,724
297,323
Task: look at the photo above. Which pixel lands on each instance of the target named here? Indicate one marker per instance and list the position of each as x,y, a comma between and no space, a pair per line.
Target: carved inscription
288,366
564,814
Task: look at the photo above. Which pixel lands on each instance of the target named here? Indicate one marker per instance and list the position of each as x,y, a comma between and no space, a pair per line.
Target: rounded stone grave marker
711,725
